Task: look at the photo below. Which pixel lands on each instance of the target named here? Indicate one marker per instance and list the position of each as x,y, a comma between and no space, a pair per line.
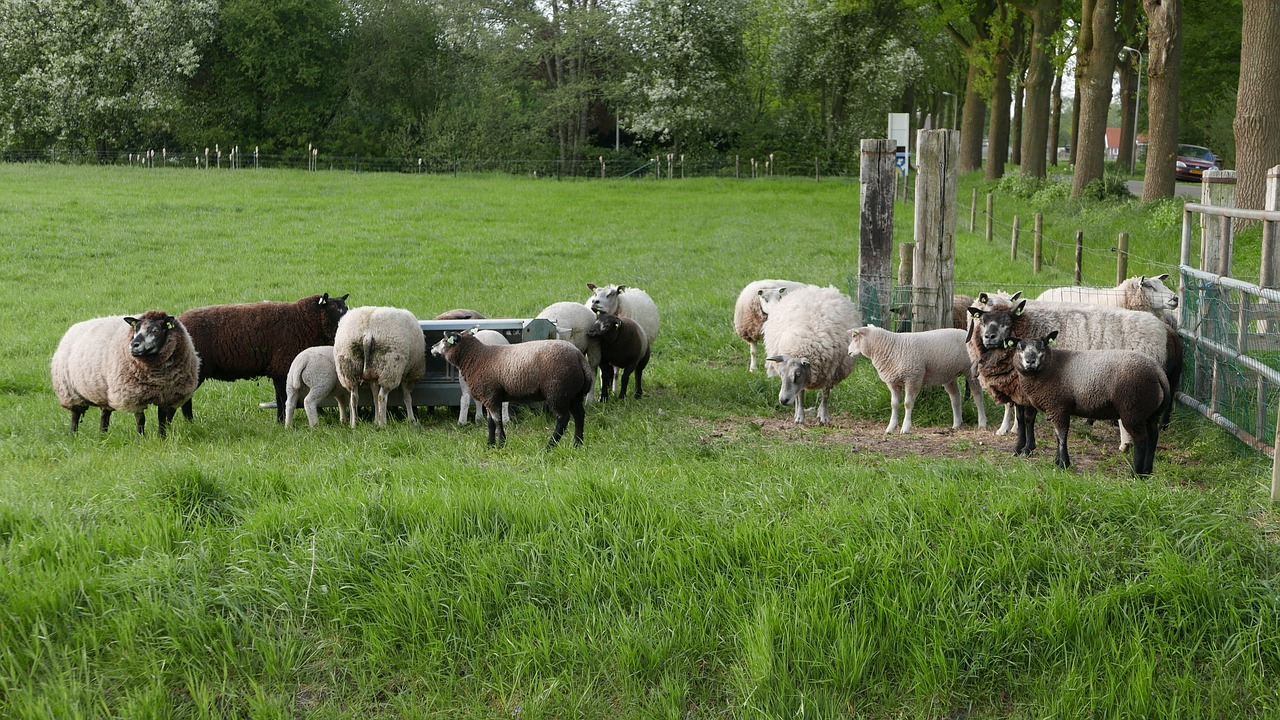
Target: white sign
900,133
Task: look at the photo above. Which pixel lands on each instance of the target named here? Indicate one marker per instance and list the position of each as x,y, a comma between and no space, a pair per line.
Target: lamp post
953,108
1137,103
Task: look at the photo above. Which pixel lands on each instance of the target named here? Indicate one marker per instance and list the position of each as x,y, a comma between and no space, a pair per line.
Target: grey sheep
488,337
552,371
623,346
126,364
385,347
749,316
314,369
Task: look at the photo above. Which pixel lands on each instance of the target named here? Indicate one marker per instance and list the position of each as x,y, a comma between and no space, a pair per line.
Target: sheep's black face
149,333
605,327
334,308
995,327
1030,356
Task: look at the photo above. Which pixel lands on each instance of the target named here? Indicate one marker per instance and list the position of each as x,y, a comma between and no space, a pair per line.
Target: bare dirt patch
1093,449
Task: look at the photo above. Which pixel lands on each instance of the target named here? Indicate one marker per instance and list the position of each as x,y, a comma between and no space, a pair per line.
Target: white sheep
384,347
126,364
572,321
488,337
625,301
1080,327
1146,294
748,317
551,371
807,337
907,362
315,370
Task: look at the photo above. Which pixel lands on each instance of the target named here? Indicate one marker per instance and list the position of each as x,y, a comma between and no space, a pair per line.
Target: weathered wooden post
1036,255
973,209
1122,258
877,180
736,174
1079,256
1013,241
1218,189
990,220
902,294
933,274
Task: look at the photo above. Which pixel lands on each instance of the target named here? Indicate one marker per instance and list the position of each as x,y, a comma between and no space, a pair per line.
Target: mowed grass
666,569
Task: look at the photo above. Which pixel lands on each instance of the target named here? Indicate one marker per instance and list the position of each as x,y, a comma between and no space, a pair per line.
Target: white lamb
628,302
807,337
315,370
907,362
572,321
1146,294
384,347
487,337
126,364
749,317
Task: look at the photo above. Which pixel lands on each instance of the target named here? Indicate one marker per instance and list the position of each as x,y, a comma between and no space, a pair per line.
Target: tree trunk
1039,136
998,126
975,111
1097,58
1075,119
1015,129
1164,56
1257,124
1055,118
1128,82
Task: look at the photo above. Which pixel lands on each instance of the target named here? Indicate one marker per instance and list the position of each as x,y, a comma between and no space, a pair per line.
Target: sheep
910,361
383,346
1123,385
623,345
553,371
459,314
629,302
807,337
249,340
1081,327
315,370
488,337
126,363
572,321
1142,293
748,317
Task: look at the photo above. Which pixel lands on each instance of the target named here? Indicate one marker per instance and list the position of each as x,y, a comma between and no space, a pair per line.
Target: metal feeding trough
440,386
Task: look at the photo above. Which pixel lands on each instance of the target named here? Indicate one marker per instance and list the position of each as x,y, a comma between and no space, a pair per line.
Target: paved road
1182,189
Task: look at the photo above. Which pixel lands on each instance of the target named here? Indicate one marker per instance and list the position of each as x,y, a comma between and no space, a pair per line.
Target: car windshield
1195,152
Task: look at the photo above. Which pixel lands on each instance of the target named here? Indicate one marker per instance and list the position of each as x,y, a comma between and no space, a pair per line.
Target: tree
1096,57
1046,17
1127,34
1257,125
96,75
1003,38
972,39
1164,56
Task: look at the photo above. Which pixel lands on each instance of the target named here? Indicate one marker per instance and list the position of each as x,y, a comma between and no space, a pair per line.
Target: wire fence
613,165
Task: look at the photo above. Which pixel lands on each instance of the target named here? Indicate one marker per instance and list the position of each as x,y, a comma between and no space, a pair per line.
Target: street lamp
1137,103
953,108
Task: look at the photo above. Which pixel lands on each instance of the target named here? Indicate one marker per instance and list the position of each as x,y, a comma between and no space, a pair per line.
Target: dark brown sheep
623,346
249,340
459,314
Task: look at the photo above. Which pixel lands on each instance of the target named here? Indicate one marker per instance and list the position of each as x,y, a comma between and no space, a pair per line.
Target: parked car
1193,161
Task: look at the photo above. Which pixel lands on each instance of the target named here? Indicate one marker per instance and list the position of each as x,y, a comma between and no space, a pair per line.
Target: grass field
698,557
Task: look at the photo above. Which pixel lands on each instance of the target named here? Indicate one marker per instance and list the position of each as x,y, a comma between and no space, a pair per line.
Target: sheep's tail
366,373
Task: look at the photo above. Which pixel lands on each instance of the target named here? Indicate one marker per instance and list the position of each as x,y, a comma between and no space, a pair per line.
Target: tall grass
696,558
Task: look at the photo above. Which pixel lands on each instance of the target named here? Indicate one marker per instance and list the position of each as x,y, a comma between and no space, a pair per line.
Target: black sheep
249,340
624,346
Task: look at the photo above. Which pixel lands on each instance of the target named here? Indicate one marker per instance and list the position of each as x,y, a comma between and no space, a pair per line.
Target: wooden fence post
990,209
902,302
973,209
877,177
1013,242
1036,255
1122,258
1079,255
933,274
1218,189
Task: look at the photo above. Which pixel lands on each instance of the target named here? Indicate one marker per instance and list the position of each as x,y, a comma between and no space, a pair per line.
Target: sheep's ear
591,286
1014,297
983,298
804,362
450,339
1017,311
1162,277
169,324
1051,338
775,358
976,312
324,299
132,321
622,288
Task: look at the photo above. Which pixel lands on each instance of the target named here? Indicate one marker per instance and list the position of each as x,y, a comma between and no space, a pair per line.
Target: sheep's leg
506,412
494,410
562,422
626,375
406,396
752,343
1126,438
103,423
606,380
380,395
280,398
798,404
978,401
911,390
1061,426
464,404
579,413
142,420
163,416
1026,430
310,403
644,362
353,403
1009,420
824,413
343,398
291,404
953,392
1154,424
186,409
895,402
593,363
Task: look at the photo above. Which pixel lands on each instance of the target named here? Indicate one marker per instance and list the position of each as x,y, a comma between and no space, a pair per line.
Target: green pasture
695,558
